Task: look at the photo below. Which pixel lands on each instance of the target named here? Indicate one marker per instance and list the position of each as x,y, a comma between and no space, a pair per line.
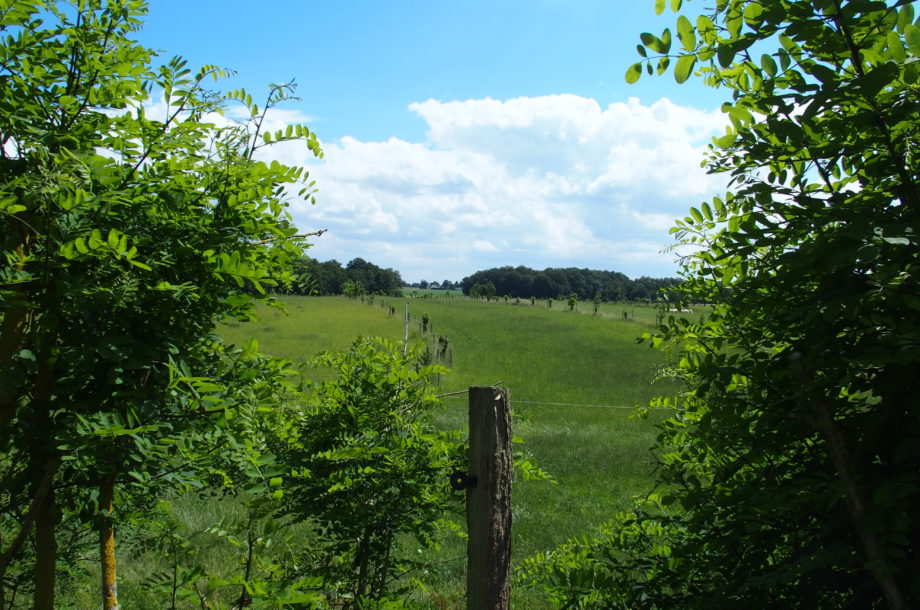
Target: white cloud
545,181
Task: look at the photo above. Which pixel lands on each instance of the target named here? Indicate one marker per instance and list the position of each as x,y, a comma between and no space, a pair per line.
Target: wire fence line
559,404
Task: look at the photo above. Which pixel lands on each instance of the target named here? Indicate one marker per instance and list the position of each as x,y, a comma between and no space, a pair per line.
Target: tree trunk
45,552
45,462
856,506
27,524
363,552
107,544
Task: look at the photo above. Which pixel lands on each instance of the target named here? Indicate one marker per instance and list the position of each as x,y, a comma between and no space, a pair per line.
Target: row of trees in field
445,285
358,277
523,282
789,470
127,235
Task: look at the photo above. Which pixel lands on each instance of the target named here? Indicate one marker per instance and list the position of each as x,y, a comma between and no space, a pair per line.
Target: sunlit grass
573,378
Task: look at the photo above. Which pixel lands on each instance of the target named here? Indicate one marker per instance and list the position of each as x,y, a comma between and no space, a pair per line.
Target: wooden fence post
488,501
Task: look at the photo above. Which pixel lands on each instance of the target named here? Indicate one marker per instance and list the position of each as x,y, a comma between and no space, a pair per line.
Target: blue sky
462,136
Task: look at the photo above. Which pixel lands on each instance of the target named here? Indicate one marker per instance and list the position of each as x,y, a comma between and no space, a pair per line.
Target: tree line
524,282
325,278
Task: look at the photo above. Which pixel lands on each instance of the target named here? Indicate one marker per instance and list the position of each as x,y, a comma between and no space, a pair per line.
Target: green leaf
768,64
905,17
686,33
726,54
733,21
706,28
896,47
663,64
707,211
912,37
684,68
676,4
659,6
665,41
139,265
633,73
726,141
753,14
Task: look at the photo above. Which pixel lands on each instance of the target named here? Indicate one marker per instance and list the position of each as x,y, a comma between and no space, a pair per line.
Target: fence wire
557,404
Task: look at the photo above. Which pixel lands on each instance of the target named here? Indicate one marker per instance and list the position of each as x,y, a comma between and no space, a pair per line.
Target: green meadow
574,379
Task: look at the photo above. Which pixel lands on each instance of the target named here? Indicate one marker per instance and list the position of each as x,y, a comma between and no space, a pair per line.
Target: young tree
125,239
353,289
572,301
791,465
368,468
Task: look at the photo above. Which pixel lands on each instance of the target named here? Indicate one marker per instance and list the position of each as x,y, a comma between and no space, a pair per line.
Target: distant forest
363,277
523,282
357,277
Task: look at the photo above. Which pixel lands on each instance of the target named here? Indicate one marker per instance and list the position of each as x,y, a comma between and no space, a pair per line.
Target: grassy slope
551,360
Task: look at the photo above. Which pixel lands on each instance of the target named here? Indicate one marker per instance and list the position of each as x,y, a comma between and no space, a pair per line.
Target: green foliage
789,470
374,279
125,239
482,291
572,301
330,278
368,467
523,282
353,289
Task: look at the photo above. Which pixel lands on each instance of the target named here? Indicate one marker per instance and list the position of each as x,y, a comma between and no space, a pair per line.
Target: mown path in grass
569,375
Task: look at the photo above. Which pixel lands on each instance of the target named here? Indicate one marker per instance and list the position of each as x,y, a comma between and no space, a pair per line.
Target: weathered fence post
488,500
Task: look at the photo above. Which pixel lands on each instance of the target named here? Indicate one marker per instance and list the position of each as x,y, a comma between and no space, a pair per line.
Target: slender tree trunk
856,507
45,552
363,559
45,462
107,544
244,599
384,572
27,524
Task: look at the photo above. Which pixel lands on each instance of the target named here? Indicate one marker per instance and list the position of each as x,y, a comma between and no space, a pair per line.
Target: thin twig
298,236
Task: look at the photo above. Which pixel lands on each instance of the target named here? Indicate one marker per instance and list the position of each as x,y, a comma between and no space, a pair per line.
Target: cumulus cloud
542,181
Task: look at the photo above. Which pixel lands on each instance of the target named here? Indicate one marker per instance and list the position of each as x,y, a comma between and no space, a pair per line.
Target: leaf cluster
789,469
369,469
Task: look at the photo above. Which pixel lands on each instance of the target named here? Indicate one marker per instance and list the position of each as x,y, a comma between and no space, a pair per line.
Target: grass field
573,378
